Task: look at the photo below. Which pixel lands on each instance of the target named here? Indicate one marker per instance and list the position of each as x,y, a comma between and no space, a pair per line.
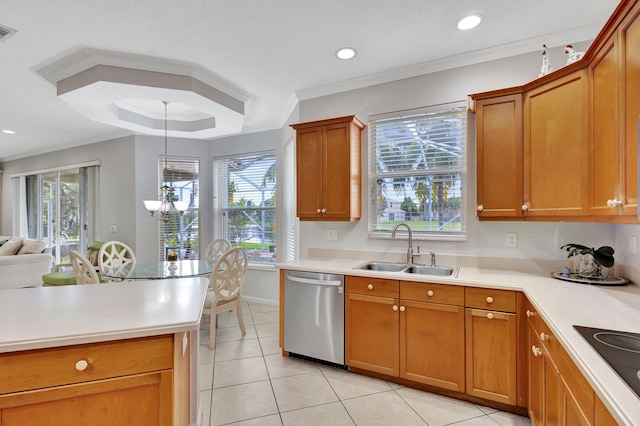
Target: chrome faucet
410,254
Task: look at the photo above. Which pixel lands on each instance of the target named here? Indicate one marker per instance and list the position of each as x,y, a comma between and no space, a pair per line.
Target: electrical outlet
632,244
512,239
114,228
332,234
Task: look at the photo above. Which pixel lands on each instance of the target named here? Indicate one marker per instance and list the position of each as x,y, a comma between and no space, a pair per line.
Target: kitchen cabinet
614,76
409,330
142,381
499,159
491,348
556,148
328,169
602,416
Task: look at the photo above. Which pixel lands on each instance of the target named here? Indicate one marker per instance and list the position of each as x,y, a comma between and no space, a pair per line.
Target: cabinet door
499,156
556,148
432,344
602,416
552,391
309,157
536,378
372,333
143,400
337,172
491,355
606,158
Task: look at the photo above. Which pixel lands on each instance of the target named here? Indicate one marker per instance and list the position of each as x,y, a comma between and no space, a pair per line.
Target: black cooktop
620,349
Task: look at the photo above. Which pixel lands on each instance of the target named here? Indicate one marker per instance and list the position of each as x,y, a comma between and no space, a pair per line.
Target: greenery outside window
245,204
417,172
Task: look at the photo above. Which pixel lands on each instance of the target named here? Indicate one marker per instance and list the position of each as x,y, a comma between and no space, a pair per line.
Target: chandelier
167,205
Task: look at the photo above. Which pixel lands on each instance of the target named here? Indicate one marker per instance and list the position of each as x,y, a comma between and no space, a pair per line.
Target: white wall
536,240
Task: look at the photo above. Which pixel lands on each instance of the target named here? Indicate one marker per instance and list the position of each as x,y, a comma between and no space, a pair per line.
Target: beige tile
349,385
230,319
205,355
282,366
257,308
485,409
230,334
228,373
479,421
205,376
270,345
439,410
238,349
205,407
386,408
509,419
302,391
262,317
242,402
332,414
268,329
273,420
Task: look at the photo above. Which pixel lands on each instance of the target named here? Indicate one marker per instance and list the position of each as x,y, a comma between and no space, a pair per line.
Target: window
180,233
416,171
245,204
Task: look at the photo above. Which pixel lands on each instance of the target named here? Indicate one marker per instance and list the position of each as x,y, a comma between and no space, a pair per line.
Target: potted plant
590,261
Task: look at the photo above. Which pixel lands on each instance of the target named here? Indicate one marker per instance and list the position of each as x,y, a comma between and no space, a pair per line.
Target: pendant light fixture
163,208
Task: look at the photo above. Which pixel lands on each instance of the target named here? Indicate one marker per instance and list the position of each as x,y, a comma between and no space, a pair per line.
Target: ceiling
267,54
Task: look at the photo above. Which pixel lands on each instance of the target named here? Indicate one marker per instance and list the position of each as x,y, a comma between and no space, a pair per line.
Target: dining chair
84,271
225,289
115,254
216,248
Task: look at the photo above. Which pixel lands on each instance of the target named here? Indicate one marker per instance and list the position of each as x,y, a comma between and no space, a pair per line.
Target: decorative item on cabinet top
588,265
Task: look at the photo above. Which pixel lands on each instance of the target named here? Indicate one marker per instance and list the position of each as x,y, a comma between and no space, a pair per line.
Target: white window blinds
416,171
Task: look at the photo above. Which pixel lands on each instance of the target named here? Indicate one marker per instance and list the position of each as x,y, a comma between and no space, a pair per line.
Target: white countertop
44,317
561,304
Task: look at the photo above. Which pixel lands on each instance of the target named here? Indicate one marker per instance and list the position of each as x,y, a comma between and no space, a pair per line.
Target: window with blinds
180,233
245,204
417,170
290,222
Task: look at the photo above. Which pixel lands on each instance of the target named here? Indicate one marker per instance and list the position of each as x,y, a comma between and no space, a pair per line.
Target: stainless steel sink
442,271
382,266
431,270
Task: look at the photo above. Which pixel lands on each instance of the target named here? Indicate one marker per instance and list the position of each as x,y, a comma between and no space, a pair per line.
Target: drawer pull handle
402,309
536,351
82,365
370,286
490,315
544,336
430,293
395,308
489,299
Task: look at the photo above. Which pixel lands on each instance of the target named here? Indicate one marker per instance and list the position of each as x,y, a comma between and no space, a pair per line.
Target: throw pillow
32,246
11,247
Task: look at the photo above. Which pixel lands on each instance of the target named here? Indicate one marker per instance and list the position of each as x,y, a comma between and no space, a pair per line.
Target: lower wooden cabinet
545,385
130,382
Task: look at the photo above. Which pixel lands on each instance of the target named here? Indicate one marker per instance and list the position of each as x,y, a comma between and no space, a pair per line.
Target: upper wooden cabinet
579,132
328,169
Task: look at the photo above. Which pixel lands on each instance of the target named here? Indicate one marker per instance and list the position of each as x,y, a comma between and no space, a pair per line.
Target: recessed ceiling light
469,21
10,132
346,53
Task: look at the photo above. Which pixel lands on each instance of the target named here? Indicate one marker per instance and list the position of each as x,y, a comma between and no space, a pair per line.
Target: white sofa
23,262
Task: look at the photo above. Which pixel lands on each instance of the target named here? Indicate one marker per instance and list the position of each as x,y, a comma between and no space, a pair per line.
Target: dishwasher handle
314,282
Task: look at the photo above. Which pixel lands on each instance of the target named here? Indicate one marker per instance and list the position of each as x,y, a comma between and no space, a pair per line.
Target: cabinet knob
490,315
318,211
324,211
395,308
530,313
430,293
614,203
525,207
489,299
370,286
480,207
536,351
82,365
544,336
402,309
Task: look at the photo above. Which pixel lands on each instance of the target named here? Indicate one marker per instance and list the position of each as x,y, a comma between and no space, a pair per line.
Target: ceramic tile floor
246,381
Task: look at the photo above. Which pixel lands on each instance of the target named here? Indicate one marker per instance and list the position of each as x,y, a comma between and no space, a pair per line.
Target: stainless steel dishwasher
314,315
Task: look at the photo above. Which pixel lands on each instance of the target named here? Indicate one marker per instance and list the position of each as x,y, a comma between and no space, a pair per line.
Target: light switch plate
114,228
332,234
512,239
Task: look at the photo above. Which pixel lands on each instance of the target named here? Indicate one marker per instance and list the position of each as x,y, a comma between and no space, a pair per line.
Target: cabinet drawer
44,368
435,293
543,331
373,286
487,298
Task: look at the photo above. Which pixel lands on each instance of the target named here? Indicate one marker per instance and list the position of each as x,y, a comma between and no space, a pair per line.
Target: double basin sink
404,268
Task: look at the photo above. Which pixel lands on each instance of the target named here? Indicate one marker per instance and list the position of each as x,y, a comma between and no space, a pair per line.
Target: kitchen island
116,353
560,304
